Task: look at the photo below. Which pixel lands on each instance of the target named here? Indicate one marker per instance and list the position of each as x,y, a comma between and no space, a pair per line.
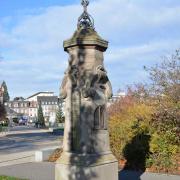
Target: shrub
145,125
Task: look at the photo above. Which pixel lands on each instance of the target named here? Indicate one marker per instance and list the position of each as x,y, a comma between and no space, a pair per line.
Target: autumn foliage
145,124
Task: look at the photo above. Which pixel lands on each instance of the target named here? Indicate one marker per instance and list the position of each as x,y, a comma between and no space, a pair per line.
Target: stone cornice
85,37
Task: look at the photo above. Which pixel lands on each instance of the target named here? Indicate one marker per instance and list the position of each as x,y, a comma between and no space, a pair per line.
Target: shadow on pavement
129,175
135,152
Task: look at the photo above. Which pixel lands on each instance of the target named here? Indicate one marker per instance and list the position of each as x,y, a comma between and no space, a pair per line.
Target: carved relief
97,82
86,92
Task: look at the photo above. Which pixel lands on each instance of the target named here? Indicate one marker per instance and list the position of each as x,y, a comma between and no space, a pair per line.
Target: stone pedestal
87,167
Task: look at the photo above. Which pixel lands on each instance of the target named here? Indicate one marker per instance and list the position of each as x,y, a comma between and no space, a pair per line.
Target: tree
165,78
60,114
166,89
41,121
2,112
5,92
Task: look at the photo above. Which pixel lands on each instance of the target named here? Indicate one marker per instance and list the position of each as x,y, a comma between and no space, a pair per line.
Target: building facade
33,104
19,106
49,106
28,108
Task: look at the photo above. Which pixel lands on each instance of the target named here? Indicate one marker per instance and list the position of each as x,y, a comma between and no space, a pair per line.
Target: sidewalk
46,171
30,171
17,158
133,175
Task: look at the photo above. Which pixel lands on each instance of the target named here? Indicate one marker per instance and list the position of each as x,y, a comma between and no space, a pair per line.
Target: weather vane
85,20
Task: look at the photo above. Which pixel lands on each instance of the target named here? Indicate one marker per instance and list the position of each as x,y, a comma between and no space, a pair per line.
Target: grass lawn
10,178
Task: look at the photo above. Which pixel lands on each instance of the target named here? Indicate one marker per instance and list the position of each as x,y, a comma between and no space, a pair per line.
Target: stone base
89,167
44,154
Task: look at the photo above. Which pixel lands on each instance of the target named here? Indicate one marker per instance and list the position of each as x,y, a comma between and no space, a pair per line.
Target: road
21,142
22,138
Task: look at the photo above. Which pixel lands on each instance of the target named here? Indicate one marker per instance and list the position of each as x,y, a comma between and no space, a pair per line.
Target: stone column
86,90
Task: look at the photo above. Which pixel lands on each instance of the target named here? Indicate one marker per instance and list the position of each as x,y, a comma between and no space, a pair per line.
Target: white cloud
152,49
139,33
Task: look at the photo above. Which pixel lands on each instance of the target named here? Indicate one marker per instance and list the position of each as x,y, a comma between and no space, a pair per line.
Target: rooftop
47,92
47,98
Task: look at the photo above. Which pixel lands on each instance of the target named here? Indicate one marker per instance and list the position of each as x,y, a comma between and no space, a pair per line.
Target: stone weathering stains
86,90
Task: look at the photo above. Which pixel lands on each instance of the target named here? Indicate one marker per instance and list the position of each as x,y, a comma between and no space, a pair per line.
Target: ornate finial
85,4
85,20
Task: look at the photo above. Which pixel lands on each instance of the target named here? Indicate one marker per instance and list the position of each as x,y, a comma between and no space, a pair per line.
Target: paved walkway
30,171
46,171
132,175
17,158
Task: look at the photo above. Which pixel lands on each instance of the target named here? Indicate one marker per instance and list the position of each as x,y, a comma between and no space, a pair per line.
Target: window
100,118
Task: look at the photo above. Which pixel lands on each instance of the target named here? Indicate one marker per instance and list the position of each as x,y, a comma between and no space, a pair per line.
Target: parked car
22,122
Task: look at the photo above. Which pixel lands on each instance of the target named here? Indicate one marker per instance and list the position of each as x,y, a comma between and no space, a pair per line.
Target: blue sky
139,32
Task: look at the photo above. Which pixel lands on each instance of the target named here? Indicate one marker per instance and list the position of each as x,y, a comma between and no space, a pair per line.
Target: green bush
142,143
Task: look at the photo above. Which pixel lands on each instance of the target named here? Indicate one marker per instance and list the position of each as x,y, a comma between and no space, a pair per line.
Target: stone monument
86,90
